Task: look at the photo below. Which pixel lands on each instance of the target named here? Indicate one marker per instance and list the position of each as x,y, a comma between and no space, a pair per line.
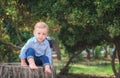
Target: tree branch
10,45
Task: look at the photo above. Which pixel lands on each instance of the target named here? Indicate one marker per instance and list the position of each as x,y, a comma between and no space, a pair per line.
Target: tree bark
88,54
117,51
113,62
14,70
65,69
106,52
56,48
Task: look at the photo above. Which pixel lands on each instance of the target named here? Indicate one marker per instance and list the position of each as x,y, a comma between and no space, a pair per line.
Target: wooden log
15,70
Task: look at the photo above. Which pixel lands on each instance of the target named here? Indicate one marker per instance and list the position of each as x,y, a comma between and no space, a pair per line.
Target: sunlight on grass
91,69
96,68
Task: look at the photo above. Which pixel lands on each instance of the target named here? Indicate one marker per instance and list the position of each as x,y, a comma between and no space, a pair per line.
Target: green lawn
91,69
96,67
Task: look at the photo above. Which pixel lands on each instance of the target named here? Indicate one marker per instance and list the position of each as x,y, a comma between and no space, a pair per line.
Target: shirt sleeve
24,48
49,53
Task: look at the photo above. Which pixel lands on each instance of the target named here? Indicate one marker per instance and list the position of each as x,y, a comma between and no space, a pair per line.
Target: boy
37,52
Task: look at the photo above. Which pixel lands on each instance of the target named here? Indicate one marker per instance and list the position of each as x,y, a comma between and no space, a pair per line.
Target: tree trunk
88,54
117,51
113,62
14,70
106,52
56,48
65,69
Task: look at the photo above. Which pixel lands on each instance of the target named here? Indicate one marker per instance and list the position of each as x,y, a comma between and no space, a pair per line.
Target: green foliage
78,58
114,29
97,52
79,24
108,13
7,54
25,35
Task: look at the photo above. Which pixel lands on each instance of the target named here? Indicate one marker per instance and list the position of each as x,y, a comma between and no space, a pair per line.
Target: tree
87,23
17,21
82,24
79,28
108,14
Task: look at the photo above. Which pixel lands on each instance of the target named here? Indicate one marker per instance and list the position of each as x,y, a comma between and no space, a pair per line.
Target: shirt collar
36,41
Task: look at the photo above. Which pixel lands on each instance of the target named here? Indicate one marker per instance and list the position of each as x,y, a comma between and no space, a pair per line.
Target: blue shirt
40,48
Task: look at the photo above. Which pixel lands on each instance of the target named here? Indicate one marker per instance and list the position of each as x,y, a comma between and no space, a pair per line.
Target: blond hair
41,25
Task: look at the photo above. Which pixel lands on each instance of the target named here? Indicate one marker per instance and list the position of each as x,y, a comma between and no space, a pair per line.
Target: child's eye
38,33
44,33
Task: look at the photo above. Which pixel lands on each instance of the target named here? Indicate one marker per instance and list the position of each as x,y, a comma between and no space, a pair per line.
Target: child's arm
22,54
23,62
49,54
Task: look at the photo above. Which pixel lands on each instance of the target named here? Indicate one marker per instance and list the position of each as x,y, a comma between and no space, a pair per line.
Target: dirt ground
83,76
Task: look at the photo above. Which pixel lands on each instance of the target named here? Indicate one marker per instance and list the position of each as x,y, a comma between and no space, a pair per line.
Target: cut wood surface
15,70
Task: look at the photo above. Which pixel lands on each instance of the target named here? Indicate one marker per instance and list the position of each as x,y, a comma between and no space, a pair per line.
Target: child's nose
41,35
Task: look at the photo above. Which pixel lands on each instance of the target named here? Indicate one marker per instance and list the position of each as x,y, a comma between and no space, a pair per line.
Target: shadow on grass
82,76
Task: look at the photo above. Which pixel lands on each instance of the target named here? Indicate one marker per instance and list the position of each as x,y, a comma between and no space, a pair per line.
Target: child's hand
48,69
33,67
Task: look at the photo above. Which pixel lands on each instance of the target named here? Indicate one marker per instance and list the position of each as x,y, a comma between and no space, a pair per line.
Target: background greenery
77,25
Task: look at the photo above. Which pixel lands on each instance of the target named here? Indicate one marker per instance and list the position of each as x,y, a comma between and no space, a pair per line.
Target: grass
93,67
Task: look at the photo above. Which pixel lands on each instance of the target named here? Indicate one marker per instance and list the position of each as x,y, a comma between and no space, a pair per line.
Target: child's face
40,34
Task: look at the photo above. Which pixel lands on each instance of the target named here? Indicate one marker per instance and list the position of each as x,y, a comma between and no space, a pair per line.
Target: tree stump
15,70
